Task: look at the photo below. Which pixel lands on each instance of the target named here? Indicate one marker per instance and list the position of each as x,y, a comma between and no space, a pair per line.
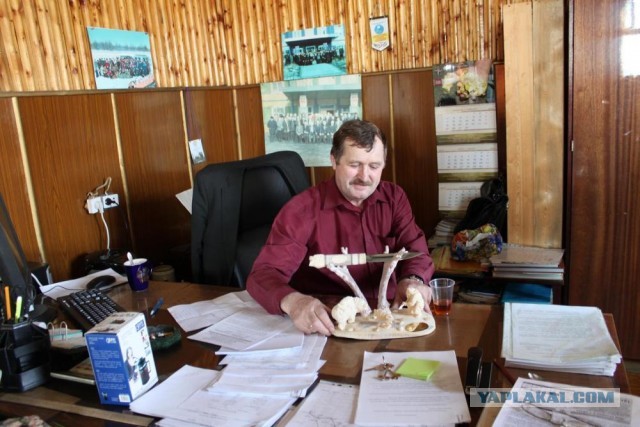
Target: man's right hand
308,314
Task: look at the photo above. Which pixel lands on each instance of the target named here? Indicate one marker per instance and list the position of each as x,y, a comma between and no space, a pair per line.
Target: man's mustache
361,182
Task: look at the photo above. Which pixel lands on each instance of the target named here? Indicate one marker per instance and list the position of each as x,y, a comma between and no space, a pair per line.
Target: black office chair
234,205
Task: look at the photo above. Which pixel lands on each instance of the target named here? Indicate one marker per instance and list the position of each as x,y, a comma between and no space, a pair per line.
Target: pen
504,372
156,307
7,301
18,308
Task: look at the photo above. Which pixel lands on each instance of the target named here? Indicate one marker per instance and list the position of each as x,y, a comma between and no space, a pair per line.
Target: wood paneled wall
58,147
604,206
235,42
534,71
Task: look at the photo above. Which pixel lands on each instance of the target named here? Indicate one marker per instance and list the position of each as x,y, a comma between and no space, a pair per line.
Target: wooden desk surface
468,325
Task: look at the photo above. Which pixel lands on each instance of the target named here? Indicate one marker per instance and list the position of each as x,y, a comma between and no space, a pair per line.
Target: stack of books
558,338
443,233
528,262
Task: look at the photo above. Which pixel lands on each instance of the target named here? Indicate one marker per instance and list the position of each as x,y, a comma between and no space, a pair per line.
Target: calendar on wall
461,158
466,132
455,196
466,119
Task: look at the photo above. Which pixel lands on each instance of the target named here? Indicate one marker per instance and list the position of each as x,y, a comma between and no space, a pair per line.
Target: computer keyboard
88,307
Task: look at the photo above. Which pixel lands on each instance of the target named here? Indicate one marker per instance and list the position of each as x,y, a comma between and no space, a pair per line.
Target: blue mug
138,272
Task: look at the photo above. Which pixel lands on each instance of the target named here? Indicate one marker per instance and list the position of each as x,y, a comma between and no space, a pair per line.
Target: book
533,275
527,293
528,255
527,269
80,373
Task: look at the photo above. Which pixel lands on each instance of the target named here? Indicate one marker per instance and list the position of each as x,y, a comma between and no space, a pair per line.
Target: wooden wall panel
210,117
71,147
155,166
13,182
535,130
235,42
549,127
415,144
376,107
251,131
605,174
520,121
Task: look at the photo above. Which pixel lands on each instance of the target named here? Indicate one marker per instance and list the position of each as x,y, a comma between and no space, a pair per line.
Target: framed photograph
121,59
302,115
314,52
197,152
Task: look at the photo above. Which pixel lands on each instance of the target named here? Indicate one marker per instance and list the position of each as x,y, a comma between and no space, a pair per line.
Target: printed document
407,401
558,338
625,412
183,397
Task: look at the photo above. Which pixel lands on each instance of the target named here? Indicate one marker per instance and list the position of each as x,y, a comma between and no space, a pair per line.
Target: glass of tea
442,291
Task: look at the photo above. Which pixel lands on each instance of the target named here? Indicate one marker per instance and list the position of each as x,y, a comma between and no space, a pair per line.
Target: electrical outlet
93,205
110,201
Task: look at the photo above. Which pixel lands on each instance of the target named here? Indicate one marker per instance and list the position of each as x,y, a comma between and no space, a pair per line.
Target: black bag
490,208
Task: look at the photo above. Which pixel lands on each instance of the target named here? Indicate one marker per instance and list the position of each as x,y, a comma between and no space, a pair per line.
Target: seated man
353,209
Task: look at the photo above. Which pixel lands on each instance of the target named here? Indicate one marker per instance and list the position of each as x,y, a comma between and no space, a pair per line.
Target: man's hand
401,293
308,314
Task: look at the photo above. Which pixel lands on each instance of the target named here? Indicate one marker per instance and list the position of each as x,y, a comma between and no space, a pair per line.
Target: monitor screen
14,269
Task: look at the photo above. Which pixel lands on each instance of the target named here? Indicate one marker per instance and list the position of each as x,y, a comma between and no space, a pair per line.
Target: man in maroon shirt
353,210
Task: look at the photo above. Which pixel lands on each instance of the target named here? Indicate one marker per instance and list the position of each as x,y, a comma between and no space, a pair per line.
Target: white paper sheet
183,397
329,404
243,329
283,359
201,314
290,338
627,414
60,289
186,198
440,400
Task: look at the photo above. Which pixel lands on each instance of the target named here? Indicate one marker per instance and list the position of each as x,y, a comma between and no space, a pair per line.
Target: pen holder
24,356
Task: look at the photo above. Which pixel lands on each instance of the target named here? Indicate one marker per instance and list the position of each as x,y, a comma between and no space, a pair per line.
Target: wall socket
110,201
100,203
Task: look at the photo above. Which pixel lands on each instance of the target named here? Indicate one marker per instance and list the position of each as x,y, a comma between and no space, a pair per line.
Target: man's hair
360,133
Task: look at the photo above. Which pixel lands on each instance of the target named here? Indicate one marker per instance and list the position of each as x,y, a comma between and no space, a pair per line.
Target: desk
467,326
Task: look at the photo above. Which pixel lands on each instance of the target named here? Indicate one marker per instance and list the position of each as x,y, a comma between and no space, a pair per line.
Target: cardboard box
121,357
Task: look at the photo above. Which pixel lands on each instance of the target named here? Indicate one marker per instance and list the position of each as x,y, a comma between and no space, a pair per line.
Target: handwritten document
627,413
559,338
408,401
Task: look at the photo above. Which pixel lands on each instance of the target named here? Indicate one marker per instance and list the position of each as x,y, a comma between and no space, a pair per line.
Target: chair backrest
234,205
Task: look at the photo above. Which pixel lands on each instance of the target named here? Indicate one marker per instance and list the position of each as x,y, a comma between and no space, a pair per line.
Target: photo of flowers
463,83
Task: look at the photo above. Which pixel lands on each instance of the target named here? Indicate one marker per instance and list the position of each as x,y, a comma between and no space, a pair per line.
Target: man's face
358,172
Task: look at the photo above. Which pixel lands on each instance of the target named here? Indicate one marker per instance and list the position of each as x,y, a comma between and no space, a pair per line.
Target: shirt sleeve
282,255
412,238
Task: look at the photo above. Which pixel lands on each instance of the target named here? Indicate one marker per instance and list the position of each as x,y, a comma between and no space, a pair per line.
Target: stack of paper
558,338
269,364
528,262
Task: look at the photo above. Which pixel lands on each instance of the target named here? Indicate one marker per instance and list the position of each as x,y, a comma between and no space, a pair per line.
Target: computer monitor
15,272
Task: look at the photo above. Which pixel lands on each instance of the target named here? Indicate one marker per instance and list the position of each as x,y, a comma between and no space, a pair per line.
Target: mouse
101,283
